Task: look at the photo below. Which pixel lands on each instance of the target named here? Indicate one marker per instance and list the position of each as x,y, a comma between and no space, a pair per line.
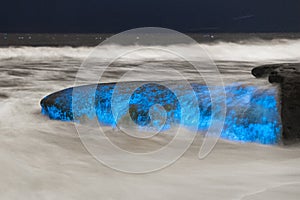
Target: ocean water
45,159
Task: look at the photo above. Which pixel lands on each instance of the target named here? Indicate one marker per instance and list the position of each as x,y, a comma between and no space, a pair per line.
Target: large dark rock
264,70
288,76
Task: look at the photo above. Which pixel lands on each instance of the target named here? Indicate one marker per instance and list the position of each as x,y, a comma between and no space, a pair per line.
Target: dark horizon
191,16
93,39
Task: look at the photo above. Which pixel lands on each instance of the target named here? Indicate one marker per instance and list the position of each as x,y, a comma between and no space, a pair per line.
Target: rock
288,77
264,70
285,73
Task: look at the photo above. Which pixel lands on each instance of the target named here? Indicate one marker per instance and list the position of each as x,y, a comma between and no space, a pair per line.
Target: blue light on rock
252,111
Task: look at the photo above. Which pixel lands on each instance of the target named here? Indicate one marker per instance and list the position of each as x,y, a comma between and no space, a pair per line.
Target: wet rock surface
287,75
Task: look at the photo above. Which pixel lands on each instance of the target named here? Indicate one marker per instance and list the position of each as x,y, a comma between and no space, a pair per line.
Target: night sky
109,16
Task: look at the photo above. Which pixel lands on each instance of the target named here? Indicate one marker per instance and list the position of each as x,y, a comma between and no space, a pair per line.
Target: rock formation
287,75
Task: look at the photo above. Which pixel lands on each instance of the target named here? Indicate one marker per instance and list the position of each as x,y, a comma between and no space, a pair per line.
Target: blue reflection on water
252,114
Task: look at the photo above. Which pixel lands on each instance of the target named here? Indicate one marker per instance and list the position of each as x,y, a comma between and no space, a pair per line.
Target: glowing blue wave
252,111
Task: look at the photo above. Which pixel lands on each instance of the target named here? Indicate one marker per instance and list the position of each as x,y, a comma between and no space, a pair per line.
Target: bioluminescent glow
252,111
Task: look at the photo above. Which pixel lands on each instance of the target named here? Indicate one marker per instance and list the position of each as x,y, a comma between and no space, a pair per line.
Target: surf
252,113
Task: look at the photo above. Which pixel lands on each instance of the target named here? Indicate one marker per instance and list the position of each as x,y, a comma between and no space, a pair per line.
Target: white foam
251,51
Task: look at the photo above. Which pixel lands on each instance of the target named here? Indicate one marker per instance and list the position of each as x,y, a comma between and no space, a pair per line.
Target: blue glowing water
252,111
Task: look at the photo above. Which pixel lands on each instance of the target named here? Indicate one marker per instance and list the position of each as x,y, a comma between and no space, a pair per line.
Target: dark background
109,16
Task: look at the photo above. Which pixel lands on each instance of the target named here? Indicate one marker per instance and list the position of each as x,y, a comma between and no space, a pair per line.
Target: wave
252,114
250,51
43,52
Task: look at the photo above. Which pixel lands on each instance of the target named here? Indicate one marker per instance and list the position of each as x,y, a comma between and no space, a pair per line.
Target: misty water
45,159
